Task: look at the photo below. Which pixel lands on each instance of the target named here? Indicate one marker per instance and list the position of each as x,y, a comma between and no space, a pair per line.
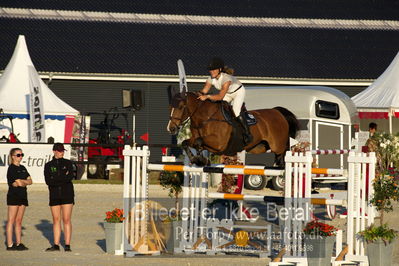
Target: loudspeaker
126,98
138,102
132,98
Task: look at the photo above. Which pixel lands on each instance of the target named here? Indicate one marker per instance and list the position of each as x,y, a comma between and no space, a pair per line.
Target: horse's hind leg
279,160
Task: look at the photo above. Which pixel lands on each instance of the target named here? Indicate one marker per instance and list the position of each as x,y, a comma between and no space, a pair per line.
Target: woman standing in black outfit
58,174
17,198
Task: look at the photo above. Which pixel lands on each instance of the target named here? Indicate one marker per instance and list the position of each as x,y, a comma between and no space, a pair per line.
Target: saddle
228,113
236,142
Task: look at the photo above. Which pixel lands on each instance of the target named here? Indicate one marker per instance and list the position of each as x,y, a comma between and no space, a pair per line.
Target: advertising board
36,156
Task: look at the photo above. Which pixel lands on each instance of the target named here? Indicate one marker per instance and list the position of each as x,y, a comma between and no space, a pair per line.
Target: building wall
102,96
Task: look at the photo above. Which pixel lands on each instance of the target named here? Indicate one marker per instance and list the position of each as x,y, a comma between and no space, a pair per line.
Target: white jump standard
298,178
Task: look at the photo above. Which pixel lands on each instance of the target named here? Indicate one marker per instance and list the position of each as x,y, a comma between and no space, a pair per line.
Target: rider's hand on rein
204,97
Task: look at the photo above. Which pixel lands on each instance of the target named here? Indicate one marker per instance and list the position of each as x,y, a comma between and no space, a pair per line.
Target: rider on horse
231,91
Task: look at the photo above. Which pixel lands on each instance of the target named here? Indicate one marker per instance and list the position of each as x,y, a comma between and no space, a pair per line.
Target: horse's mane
192,94
196,94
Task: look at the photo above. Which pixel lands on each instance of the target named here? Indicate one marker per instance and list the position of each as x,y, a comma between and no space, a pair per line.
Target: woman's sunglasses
20,155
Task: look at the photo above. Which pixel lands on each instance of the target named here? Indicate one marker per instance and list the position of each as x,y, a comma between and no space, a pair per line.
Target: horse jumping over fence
212,129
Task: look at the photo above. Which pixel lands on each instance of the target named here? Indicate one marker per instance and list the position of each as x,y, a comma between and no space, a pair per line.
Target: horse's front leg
202,155
197,144
186,147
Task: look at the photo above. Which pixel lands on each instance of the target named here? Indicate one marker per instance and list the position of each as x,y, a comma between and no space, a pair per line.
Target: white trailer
327,117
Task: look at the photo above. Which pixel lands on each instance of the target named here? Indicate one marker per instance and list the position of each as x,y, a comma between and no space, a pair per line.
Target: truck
110,140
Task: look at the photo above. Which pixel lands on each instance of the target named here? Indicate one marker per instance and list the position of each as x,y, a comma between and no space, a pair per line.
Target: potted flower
173,181
113,231
319,242
380,239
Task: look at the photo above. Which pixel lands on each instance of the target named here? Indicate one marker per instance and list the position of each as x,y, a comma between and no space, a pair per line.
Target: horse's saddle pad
228,113
251,120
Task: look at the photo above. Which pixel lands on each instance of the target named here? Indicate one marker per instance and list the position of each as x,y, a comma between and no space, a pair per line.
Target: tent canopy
381,99
14,87
382,96
15,84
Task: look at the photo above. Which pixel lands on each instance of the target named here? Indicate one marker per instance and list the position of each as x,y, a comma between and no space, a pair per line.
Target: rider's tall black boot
247,133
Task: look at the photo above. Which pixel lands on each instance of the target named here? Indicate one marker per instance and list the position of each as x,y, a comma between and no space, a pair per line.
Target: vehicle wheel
80,170
254,182
96,171
278,182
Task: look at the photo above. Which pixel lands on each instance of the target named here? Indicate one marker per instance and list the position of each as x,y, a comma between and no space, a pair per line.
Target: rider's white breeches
236,99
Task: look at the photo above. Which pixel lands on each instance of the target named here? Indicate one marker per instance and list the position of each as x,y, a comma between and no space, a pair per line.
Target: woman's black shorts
14,201
61,201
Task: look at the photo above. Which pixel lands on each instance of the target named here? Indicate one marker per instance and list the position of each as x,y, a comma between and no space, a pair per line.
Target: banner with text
36,156
37,127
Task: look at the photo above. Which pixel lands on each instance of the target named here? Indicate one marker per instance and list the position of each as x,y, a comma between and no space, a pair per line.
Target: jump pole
273,199
237,169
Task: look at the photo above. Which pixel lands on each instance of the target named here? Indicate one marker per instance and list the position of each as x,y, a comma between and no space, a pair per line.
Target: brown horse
213,132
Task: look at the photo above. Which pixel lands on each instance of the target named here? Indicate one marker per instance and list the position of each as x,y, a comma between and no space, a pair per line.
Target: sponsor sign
80,134
36,156
37,127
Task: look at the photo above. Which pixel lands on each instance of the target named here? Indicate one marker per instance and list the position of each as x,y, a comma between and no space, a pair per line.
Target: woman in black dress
17,198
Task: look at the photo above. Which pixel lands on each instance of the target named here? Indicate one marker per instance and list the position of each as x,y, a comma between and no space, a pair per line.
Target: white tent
15,98
381,99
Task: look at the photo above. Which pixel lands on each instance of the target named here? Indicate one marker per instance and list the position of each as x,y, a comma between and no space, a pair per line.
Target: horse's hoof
205,161
194,161
200,161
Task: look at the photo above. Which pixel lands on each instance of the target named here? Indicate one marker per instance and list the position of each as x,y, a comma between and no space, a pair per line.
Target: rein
188,117
209,119
202,123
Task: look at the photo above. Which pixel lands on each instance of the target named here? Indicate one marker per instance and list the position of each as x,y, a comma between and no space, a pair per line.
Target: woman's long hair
12,152
228,70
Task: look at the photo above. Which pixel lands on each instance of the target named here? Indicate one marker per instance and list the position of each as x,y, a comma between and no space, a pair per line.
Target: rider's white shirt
233,96
224,77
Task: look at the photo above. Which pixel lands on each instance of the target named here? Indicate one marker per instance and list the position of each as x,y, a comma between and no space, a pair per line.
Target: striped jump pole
274,199
215,169
238,169
326,152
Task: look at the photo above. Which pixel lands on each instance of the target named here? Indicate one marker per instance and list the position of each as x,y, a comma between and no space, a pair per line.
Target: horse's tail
291,119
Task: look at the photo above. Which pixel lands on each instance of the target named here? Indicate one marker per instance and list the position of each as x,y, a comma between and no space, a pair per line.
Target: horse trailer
327,120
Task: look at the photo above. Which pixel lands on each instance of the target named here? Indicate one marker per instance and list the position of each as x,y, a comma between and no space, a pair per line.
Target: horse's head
179,113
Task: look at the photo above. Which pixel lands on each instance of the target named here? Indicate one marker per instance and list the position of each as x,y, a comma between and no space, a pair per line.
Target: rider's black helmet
215,63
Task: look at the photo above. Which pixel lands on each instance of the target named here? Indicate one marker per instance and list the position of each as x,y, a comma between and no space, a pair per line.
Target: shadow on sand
101,242
47,231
